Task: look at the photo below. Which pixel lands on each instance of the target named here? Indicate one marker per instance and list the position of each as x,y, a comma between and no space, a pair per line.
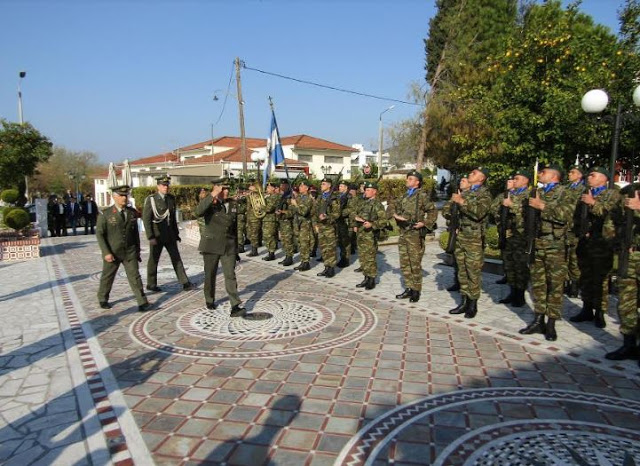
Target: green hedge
491,242
17,219
10,196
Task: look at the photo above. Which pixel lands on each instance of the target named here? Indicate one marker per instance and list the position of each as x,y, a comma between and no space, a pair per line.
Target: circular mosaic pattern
277,323
284,319
165,274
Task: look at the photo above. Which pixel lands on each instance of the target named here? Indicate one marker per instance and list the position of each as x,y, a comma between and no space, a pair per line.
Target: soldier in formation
303,206
254,218
269,222
284,216
326,214
575,189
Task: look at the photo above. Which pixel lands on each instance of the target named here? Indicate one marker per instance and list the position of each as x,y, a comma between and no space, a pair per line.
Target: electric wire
226,95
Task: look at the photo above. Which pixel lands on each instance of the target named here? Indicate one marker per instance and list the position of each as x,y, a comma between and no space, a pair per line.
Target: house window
333,159
305,158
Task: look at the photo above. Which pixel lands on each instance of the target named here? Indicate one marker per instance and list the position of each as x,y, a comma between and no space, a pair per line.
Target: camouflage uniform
304,212
269,223
573,192
352,206
327,228
254,225
416,207
285,226
241,207
342,230
373,211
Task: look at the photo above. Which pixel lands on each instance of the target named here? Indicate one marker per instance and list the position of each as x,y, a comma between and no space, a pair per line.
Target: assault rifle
504,218
532,219
627,235
454,224
582,227
324,205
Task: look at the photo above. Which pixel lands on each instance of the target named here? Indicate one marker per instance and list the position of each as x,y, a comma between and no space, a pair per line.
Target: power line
226,95
348,91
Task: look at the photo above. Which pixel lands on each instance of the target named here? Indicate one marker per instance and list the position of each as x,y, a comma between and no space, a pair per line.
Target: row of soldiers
560,238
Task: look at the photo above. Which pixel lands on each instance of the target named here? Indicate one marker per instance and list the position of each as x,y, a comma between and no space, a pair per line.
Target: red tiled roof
160,158
232,155
227,141
303,141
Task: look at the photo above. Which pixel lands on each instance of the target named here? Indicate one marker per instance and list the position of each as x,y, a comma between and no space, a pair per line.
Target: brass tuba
257,202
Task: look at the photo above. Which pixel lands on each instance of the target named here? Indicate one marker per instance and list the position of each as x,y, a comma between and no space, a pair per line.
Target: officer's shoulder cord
157,217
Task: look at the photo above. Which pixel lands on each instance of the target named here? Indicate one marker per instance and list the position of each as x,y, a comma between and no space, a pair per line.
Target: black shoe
371,283
323,273
330,272
585,315
598,318
509,298
502,281
319,259
303,267
105,305
628,350
415,296
211,306
472,309
405,294
363,283
237,311
287,261
344,262
359,269
144,307
462,307
270,257
537,326
155,289
550,330
240,248
518,298
188,286
254,252
454,287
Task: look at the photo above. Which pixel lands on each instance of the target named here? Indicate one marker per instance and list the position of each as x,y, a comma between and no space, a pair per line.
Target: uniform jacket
605,214
333,211
304,209
118,237
516,215
417,208
372,211
271,202
167,229
474,212
556,216
219,234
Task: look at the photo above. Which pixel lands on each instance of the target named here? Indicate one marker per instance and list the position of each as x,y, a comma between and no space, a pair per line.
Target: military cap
164,179
327,180
122,190
484,171
414,173
371,184
273,184
602,170
306,183
344,182
353,186
580,168
556,167
524,172
284,181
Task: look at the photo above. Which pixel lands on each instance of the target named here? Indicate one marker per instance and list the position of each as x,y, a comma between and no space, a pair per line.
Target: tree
53,176
22,148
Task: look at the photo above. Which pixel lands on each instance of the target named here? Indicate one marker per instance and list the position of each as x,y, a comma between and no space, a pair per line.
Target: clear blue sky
132,79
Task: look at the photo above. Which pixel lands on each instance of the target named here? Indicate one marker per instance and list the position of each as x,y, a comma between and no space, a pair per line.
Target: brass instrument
257,202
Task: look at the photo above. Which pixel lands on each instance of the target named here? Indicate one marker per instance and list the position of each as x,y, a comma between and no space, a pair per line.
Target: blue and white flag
275,154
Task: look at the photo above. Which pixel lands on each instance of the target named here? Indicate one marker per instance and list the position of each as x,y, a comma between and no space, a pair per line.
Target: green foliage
22,148
63,169
443,240
392,189
17,219
9,196
491,242
491,237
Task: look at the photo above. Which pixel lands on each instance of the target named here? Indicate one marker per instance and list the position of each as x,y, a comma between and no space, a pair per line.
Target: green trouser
109,270
327,243
470,258
367,250
254,225
305,240
628,296
296,233
343,239
595,258
155,250
411,250
242,224
228,269
285,225
270,235
515,262
573,270
548,273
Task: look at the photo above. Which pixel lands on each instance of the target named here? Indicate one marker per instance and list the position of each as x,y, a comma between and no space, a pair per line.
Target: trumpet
257,202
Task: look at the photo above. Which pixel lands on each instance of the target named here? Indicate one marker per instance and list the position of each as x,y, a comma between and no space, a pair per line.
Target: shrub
491,242
10,196
443,240
17,219
491,237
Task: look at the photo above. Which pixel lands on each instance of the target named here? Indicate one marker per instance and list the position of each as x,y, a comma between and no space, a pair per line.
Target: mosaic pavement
320,372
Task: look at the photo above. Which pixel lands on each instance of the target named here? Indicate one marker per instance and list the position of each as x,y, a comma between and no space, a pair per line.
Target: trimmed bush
10,196
17,219
491,242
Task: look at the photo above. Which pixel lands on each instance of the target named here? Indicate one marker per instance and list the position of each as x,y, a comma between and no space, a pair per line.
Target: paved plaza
318,372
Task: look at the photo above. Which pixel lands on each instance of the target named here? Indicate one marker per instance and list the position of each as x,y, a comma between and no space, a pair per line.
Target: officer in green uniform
352,205
269,222
119,240
161,228
327,212
415,215
254,219
370,218
342,225
549,268
474,206
219,244
595,249
284,215
575,190
204,192
241,205
303,205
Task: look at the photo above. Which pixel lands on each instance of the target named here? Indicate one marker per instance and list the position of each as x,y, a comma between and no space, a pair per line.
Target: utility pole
22,74
243,140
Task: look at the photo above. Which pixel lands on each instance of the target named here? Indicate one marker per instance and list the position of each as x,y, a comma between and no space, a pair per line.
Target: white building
361,157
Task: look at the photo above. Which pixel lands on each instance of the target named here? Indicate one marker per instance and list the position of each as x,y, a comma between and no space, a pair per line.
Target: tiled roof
226,141
233,155
160,158
303,141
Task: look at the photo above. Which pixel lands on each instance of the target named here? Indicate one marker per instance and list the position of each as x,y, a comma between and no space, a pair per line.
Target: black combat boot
573,290
472,309
462,307
509,298
586,314
550,330
502,281
537,326
287,261
323,273
371,283
270,257
240,248
254,252
415,296
518,298
363,283
455,286
628,350
598,318
405,294
302,267
344,262
330,272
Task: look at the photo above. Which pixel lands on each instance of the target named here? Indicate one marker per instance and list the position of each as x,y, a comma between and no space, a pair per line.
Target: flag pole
284,159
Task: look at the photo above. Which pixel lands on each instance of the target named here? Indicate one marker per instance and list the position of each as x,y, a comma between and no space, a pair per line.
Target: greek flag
274,150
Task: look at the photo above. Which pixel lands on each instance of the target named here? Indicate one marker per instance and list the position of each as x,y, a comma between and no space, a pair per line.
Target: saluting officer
303,205
161,228
575,190
415,214
119,240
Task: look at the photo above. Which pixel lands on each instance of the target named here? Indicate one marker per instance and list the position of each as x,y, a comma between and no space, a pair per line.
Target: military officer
119,241
575,190
595,257
284,215
327,211
415,215
549,268
303,205
254,219
370,218
218,244
342,225
269,222
161,228
474,206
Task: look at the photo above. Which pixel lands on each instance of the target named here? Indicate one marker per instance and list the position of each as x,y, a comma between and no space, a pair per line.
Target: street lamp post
595,101
21,75
381,141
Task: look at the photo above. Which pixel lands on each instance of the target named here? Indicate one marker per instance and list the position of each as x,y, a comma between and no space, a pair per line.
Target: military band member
342,225
218,244
119,241
370,218
254,222
474,206
303,205
284,215
326,213
575,190
269,222
549,268
241,205
415,215
161,228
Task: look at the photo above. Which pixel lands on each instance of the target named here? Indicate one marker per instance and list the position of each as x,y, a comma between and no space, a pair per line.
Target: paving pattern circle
278,323
165,274
516,442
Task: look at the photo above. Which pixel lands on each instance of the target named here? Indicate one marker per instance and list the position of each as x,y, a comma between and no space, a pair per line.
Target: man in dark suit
73,213
90,213
119,241
218,243
159,218
60,217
